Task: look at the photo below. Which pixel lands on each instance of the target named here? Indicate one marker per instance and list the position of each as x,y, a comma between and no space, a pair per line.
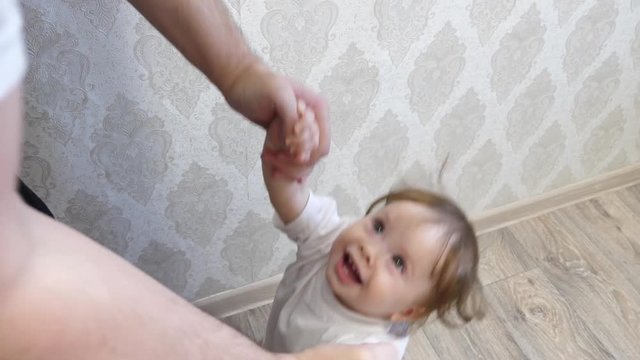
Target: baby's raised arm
289,196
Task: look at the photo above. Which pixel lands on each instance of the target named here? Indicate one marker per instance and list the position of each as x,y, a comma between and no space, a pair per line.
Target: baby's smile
347,270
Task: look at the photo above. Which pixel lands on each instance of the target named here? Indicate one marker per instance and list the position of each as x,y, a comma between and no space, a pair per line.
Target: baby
413,254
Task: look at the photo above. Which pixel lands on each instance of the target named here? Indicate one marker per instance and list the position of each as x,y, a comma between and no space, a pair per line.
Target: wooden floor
564,285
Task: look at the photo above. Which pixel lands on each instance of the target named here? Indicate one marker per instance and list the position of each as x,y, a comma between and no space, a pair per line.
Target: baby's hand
305,137
280,150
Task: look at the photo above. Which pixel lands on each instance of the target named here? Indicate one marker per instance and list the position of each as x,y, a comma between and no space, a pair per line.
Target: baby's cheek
382,289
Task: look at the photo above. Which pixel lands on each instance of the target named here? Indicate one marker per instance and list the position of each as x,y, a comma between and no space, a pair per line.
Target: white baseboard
506,215
262,292
240,299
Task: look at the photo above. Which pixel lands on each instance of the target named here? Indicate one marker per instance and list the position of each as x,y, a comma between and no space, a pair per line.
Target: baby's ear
410,314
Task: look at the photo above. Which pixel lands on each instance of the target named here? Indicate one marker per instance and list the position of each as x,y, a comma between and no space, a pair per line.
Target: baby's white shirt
305,312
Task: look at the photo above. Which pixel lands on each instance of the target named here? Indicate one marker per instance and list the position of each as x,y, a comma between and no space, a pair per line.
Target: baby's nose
366,253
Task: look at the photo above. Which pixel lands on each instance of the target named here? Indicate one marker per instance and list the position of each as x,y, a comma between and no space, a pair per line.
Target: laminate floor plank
617,280
485,339
613,231
631,197
420,348
541,321
241,323
258,319
501,256
584,278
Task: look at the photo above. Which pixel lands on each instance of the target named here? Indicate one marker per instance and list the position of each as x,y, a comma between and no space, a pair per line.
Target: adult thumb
286,106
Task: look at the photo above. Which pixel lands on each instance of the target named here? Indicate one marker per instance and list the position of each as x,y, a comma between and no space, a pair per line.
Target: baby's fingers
305,137
312,133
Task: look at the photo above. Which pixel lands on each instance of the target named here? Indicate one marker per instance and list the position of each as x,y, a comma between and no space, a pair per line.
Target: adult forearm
235,344
205,34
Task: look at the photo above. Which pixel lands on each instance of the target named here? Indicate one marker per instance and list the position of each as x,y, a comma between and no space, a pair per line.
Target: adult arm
207,36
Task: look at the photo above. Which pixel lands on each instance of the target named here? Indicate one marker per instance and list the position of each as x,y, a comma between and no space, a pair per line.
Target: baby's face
381,265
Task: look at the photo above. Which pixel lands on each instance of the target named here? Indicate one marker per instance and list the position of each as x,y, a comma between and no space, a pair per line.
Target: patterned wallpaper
132,146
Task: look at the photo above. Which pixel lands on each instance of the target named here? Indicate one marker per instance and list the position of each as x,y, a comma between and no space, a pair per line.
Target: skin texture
63,296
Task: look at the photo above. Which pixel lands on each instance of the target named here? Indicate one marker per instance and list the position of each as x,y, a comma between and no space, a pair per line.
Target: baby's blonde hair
457,287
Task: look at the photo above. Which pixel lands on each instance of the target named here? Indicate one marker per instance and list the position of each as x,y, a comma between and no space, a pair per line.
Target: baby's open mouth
352,269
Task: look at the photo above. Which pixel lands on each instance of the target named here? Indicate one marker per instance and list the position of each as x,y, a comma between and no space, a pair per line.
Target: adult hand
349,352
263,97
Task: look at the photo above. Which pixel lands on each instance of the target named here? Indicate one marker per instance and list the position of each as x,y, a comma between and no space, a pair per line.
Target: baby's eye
398,262
378,226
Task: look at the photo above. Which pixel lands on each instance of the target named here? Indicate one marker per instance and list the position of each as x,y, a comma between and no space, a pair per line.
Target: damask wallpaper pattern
132,146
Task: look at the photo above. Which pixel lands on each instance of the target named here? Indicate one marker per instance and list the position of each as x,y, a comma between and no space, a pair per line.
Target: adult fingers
285,103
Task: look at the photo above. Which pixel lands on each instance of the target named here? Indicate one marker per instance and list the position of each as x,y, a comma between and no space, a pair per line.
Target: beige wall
130,145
